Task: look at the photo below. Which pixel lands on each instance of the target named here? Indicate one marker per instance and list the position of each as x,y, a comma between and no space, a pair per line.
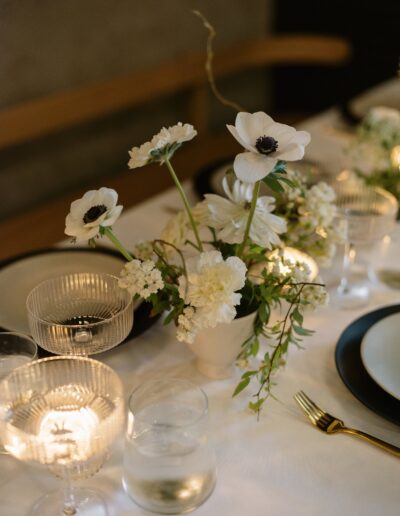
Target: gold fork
331,425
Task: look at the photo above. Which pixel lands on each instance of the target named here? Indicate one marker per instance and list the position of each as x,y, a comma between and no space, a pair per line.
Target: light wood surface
43,116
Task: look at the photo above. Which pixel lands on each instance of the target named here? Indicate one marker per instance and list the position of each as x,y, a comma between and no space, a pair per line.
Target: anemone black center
94,213
266,144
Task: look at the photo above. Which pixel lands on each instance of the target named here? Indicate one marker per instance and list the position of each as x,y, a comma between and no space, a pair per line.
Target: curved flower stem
256,191
185,202
110,235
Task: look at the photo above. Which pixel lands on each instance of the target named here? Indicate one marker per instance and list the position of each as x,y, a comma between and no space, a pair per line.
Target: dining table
278,464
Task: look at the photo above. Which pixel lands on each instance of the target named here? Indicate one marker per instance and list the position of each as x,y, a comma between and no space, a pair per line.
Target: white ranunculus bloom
266,142
96,208
176,134
229,216
211,288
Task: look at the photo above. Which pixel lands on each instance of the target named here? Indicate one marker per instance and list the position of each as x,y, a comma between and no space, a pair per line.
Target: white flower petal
252,167
251,126
291,152
237,137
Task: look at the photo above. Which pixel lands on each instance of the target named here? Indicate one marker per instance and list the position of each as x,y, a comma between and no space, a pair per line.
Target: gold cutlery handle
394,450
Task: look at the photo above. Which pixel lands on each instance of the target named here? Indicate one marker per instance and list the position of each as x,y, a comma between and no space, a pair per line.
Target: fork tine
313,407
305,409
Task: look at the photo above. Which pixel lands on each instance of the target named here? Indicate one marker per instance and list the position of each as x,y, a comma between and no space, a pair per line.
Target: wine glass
16,349
366,215
79,313
64,413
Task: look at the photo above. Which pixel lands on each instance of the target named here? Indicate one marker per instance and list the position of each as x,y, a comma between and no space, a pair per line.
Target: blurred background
74,100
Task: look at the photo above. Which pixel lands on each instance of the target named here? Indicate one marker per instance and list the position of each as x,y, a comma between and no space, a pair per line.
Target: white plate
19,277
380,353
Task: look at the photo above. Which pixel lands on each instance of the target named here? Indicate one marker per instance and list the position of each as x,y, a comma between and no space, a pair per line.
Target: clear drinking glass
169,464
16,349
366,214
79,313
64,413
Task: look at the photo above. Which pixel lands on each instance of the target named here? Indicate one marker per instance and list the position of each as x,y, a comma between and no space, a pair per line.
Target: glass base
355,296
86,502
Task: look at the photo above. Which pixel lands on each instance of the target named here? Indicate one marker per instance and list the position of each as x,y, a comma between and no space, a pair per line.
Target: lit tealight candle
295,256
291,254
67,434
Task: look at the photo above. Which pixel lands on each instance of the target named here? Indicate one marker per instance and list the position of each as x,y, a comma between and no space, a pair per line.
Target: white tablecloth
280,465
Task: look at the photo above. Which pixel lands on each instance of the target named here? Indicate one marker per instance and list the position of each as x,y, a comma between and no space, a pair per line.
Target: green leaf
272,183
280,167
302,331
297,316
256,405
242,385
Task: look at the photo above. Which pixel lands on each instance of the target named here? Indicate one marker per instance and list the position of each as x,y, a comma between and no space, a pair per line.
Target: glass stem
69,508
110,235
348,262
185,203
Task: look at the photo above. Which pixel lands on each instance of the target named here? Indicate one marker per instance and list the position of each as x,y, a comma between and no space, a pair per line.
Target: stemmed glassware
79,313
366,215
64,413
16,349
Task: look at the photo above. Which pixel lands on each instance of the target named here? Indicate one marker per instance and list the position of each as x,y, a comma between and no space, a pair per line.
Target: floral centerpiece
223,259
374,154
311,215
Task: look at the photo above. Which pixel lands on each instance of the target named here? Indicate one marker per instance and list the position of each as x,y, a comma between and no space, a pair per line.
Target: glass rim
377,190
77,326
181,381
74,358
24,337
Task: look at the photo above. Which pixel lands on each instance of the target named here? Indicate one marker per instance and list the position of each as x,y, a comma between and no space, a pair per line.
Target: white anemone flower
166,141
266,142
211,287
96,208
229,216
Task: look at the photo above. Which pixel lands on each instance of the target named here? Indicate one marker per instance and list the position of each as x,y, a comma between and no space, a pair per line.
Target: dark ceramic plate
353,372
142,319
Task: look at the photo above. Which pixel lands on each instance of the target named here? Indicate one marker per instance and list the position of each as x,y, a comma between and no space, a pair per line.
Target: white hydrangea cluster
143,250
382,124
187,327
318,209
313,296
311,212
141,278
370,151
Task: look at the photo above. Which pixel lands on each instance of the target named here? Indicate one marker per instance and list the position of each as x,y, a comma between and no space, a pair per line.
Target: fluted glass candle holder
64,413
79,313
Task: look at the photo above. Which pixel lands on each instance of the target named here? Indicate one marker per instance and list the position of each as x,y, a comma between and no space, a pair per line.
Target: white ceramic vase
216,348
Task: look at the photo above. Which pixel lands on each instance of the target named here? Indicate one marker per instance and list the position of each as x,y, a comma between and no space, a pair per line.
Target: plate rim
370,371
343,342
142,311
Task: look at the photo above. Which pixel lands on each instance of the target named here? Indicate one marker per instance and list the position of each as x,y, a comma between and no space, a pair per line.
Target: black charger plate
353,372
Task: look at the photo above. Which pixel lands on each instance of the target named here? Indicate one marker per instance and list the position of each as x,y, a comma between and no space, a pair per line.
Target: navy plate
353,372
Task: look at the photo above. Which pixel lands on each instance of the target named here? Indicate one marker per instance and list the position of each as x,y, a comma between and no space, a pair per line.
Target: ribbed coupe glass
79,313
64,413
